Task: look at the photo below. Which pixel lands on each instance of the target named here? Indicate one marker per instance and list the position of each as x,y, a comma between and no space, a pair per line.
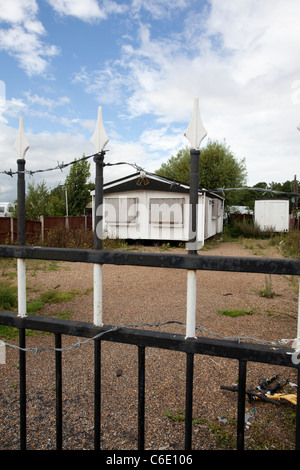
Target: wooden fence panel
35,228
53,222
5,231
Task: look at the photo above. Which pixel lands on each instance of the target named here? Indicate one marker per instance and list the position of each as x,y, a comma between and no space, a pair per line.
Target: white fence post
22,307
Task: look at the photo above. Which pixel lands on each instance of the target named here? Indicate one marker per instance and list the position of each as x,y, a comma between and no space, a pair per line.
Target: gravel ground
135,295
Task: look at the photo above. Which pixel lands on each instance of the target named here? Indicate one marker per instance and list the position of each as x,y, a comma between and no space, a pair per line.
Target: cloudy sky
144,62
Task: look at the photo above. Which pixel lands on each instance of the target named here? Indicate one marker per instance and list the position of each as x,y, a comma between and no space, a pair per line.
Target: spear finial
99,138
21,144
195,132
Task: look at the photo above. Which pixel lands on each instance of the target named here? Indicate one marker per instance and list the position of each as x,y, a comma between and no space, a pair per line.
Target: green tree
37,200
218,167
77,187
57,201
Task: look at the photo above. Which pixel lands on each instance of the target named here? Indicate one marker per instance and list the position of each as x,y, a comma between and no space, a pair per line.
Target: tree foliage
76,183
218,167
37,200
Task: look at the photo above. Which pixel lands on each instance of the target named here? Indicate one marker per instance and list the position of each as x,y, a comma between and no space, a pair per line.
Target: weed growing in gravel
177,417
268,290
224,434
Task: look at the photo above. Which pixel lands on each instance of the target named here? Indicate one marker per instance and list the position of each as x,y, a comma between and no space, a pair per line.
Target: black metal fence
242,352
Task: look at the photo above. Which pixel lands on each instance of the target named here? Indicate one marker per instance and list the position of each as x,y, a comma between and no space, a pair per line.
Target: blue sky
144,62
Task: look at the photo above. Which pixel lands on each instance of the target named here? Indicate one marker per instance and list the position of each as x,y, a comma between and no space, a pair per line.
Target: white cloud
158,8
87,10
21,33
107,85
166,139
18,11
260,37
45,151
20,36
46,102
32,54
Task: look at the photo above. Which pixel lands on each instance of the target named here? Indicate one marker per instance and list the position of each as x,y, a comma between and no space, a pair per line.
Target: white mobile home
145,206
6,209
272,214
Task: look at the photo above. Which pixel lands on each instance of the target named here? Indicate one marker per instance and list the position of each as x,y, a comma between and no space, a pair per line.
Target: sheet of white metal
272,214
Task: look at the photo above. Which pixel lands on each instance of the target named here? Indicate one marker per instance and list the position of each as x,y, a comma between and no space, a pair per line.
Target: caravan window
166,211
120,210
216,208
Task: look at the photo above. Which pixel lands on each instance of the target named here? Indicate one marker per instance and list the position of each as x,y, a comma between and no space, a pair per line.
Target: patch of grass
8,332
177,417
51,296
9,302
235,313
63,315
56,296
8,296
180,418
225,435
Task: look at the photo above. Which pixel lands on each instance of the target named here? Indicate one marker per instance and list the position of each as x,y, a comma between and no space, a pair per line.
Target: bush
61,237
247,229
288,243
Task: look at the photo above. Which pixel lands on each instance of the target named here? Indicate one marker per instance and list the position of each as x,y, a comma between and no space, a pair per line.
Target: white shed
272,214
144,206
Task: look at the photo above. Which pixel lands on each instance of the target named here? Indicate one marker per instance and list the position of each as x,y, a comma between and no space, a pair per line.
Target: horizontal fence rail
157,260
276,355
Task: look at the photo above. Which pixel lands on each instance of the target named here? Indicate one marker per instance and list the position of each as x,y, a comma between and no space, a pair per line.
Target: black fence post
241,405
97,394
21,209
194,187
141,398
58,383
189,400
98,231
